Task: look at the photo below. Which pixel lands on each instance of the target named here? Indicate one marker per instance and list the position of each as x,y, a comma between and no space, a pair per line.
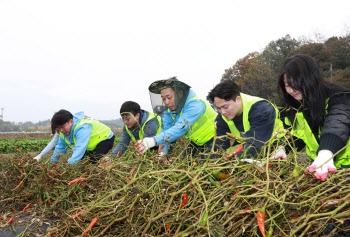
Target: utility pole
2,114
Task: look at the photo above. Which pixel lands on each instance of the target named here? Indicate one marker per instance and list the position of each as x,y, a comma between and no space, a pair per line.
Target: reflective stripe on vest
142,132
203,129
99,133
302,130
248,101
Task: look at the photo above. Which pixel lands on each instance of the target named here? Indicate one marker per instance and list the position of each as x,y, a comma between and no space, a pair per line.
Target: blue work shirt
175,128
82,134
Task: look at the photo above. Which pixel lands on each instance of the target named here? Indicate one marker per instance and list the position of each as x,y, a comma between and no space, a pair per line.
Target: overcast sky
92,56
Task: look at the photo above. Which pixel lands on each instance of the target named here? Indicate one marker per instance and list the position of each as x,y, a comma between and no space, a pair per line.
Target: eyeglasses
126,118
62,128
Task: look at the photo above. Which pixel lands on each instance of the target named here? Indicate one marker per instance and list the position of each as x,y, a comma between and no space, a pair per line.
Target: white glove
255,162
322,164
279,153
38,157
145,144
161,155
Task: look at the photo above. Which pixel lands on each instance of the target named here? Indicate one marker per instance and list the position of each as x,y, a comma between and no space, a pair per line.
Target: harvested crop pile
135,195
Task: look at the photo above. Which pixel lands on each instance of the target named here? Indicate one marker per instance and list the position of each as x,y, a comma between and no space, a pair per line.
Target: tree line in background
257,73
45,126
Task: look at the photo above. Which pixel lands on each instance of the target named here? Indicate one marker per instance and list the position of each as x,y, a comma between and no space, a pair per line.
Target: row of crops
8,146
27,145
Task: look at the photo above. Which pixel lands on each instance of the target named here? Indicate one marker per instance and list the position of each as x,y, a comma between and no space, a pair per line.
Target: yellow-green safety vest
142,132
302,130
248,101
203,129
99,133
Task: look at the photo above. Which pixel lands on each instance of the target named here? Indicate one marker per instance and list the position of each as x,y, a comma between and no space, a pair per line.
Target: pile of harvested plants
141,195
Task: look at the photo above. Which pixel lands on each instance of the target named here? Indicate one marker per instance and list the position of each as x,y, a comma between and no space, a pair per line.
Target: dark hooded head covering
181,91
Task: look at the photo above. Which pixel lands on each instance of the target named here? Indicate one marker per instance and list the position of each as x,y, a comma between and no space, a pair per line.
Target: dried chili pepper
185,196
160,148
118,154
11,219
77,214
93,222
76,181
236,151
20,183
261,220
85,162
24,209
204,219
167,227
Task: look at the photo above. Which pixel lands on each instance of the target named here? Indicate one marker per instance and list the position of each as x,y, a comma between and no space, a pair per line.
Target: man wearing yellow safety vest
184,114
245,116
138,125
86,136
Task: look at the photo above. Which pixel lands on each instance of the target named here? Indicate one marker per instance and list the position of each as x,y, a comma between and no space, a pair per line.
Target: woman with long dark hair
318,112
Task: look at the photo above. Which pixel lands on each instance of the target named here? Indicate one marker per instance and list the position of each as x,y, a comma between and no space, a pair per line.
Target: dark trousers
101,149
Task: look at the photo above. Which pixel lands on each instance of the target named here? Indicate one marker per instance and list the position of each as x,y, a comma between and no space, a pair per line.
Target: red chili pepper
185,196
160,148
93,222
49,201
18,150
132,171
26,158
261,220
306,173
236,151
127,179
16,160
21,171
27,207
167,227
20,183
53,165
76,181
234,193
77,215
40,201
11,219
56,201
118,154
